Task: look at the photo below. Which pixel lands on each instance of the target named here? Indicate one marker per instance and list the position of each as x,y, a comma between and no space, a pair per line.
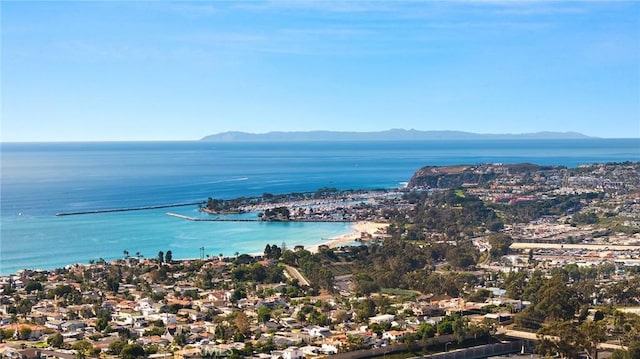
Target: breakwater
220,219
196,219
111,210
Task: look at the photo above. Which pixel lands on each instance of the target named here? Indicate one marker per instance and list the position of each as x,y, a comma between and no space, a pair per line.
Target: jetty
129,209
217,219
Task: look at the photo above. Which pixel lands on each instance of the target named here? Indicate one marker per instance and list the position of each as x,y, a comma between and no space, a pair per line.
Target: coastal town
504,258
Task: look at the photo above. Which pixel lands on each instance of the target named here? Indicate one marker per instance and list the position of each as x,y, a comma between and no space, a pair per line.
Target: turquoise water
39,180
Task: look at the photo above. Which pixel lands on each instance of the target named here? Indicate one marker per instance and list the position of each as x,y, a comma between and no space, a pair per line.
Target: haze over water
41,179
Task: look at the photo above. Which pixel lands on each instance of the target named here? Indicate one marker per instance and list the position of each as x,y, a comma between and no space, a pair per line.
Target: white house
318,331
381,319
167,318
394,335
310,350
329,349
289,353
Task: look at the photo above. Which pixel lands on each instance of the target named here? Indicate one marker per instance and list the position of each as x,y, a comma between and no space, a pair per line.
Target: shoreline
367,229
360,230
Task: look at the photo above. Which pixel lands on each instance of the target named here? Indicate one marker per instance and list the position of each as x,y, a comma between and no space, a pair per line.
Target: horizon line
301,141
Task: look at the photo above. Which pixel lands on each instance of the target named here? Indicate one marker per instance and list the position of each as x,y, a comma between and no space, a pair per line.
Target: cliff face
444,177
477,175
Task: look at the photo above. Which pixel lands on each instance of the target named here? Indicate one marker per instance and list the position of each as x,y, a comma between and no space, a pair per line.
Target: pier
129,209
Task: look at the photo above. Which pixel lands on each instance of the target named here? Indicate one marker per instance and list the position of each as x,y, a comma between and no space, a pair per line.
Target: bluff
476,175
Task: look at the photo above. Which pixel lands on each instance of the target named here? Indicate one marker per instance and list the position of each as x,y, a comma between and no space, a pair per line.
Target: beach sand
370,228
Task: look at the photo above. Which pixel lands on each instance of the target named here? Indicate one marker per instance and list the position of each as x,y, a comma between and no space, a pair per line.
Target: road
593,247
532,336
295,273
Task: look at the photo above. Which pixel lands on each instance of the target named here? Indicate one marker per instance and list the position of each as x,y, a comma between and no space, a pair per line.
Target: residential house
316,331
394,335
382,319
288,353
72,325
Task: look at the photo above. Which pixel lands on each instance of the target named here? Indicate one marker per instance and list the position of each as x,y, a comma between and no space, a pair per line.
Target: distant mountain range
390,135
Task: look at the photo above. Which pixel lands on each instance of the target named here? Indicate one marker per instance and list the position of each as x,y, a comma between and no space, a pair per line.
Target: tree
124,333
584,218
132,351
529,318
367,309
101,324
593,333
55,340
340,316
33,285
6,334
24,307
479,295
355,342
168,257
532,287
289,258
567,339
160,257
561,338
180,339
264,314
113,283
242,323
426,330
116,347
459,329
500,244
632,352
24,333
445,327
83,348
556,300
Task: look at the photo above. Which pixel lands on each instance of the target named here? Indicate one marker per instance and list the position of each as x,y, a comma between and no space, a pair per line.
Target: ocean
38,180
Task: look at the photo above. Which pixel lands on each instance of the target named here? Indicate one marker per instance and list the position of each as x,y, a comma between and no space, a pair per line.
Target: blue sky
147,70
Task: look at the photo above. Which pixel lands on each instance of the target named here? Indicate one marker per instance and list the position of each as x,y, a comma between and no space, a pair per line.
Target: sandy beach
370,228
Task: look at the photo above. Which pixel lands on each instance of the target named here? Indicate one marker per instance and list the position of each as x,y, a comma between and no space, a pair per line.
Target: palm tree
126,253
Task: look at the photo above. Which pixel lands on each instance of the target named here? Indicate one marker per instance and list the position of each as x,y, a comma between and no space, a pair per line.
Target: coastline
366,229
352,231
32,237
